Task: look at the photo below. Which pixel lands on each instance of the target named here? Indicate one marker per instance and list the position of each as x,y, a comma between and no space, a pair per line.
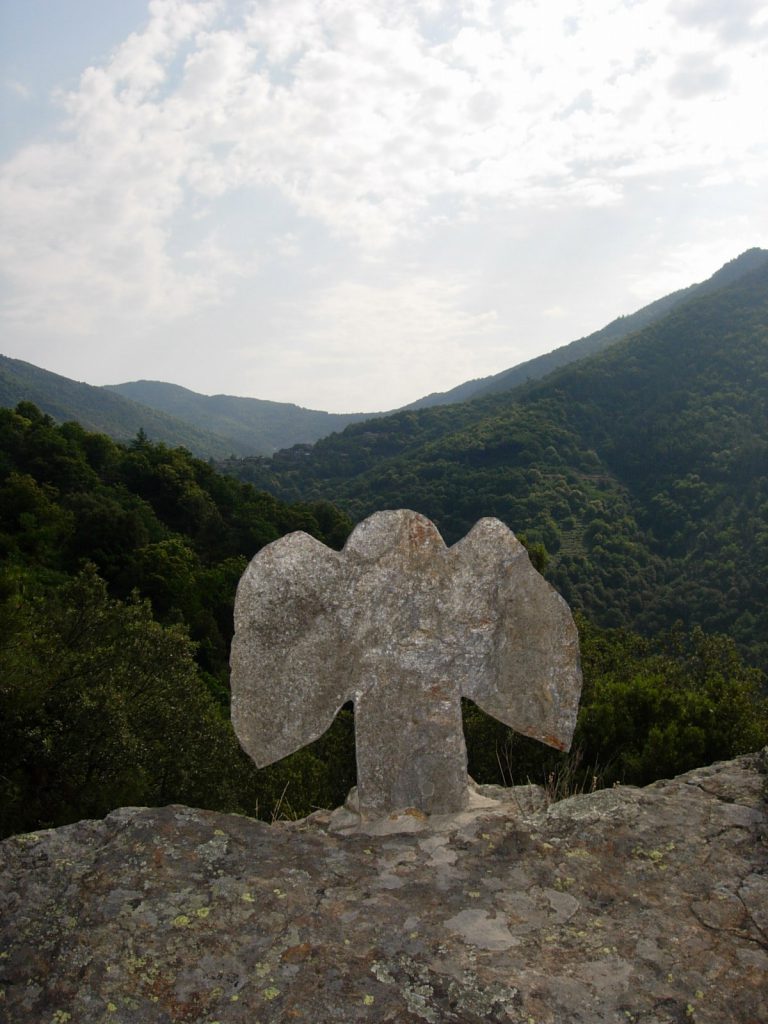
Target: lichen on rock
645,905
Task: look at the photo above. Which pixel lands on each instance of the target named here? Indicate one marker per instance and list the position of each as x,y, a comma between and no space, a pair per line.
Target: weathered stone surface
404,627
629,905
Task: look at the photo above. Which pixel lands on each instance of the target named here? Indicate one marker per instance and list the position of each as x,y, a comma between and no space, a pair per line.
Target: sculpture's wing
525,667
287,678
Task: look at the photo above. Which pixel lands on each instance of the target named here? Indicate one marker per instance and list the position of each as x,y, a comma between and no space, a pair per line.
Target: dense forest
249,425
119,567
102,410
641,472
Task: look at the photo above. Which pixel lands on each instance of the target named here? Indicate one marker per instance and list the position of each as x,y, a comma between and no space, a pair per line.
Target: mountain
642,470
216,426
253,425
209,426
261,427
102,410
534,369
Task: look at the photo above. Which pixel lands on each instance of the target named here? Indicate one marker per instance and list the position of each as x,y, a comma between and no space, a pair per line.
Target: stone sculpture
403,626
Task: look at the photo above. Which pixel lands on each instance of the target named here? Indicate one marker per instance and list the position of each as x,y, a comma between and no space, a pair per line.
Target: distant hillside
643,470
219,426
102,410
254,425
534,369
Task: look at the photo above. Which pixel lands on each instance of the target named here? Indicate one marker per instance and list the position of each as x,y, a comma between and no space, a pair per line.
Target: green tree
650,709
103,707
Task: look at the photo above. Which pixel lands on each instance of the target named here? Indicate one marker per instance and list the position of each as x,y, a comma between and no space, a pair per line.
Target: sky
349,204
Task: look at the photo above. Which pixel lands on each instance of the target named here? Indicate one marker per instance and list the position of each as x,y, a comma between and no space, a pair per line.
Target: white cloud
697,74
366,121
689,262
413,334
18,88
731,20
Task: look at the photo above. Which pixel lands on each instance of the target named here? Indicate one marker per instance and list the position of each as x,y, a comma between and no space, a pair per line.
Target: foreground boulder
625,905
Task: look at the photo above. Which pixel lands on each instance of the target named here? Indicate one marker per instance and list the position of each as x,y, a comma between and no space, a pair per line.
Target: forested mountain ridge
217,426
99,409
111,558
622,327
210,426
252,425
148,517
114,555
643,470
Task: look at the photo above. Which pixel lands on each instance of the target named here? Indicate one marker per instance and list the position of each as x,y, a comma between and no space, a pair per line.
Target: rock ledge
639,906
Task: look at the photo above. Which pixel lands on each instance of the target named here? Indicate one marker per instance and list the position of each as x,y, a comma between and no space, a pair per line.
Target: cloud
87,218
365,120
697,74
419,329
555,312
693,260
18,88
732,20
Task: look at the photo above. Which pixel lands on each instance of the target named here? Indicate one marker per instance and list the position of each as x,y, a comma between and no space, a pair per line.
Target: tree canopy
119,569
